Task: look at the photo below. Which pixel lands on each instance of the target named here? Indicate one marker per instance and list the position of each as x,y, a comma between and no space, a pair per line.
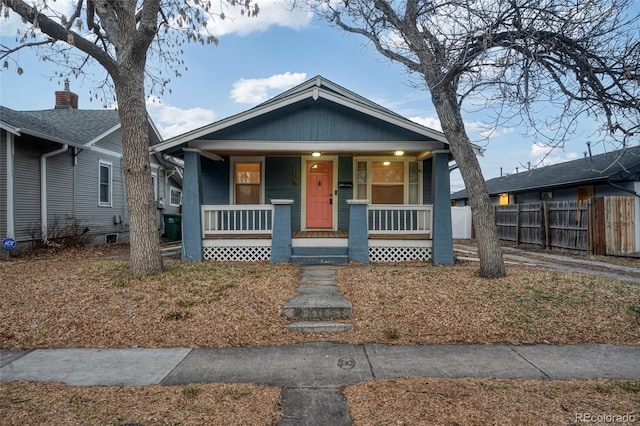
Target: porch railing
237,219
399,219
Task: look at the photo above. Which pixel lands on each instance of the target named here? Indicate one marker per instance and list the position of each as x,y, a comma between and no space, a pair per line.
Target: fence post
518,224
281,232
545,223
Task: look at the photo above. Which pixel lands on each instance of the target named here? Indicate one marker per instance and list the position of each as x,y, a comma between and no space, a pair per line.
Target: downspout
10,159
43,188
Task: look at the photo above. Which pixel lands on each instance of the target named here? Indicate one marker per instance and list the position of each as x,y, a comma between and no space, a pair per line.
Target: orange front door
320,194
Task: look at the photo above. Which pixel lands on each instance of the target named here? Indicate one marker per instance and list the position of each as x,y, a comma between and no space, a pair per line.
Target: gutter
43,188
621,188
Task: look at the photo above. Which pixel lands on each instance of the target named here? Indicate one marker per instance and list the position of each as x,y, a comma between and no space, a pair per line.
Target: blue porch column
281,232
441,233
358,232
191,208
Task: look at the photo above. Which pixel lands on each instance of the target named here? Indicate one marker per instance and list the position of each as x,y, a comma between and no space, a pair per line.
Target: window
154,183
104,184
175,197
504,199
585,193
388,182
247,181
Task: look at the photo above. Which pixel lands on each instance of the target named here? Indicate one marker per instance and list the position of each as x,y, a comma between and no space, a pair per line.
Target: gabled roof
315,88
69,126
618,165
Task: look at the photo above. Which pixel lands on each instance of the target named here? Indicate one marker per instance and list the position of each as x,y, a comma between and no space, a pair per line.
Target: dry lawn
426,401
88,299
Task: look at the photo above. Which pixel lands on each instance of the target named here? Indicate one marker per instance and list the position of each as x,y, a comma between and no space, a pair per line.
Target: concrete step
320,251
320,259
317,306
311,327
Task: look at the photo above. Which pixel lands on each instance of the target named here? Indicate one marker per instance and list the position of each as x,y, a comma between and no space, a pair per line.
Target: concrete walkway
559,262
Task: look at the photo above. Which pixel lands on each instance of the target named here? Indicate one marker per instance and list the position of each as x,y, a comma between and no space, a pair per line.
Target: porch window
388,181
247,182
175,197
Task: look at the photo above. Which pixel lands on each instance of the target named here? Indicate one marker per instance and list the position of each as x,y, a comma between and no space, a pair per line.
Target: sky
261,57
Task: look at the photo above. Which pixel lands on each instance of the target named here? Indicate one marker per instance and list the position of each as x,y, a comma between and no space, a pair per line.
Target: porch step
320,255
311,327
317,306
312,259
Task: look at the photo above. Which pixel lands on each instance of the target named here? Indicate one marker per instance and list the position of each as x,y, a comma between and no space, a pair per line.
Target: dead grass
88,299
422,401
23,403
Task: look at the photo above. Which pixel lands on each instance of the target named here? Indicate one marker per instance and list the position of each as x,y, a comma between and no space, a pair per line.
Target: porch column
358,232
281,232
191,208
441,233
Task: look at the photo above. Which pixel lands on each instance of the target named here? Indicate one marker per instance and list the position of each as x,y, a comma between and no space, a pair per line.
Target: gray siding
280,183
345,174
26,186
316,121
112,142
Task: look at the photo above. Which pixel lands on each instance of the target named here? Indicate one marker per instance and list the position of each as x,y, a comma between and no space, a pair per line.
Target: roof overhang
17,131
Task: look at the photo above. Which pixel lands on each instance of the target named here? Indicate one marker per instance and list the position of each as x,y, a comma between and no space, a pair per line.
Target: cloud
172,121
430,122
272,12
546,155
256,90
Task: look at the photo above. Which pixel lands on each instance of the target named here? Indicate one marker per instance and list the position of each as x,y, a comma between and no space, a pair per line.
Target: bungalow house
61,174
317,174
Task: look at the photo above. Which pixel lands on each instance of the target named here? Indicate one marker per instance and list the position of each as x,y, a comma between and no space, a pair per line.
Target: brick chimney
66,98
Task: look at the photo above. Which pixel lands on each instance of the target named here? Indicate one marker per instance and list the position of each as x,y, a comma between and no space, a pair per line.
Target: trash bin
173,226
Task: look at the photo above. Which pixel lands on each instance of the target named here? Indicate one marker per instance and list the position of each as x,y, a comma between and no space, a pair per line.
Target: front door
320,194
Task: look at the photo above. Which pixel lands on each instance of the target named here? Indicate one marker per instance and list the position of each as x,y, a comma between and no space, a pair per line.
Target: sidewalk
318,364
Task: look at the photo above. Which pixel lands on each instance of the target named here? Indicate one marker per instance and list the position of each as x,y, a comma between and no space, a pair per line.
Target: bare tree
119,35
544,63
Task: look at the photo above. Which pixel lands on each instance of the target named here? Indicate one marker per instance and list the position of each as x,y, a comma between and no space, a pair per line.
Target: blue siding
427,175
345,174
315,121
215,181
283,181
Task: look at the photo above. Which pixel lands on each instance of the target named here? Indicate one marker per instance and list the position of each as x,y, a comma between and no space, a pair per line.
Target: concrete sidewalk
317,365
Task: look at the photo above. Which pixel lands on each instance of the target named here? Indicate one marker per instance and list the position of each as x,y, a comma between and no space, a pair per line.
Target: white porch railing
237,219
399,219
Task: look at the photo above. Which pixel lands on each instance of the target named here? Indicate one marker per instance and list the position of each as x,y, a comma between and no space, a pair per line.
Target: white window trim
154,181
103,163
406,161
171,203
232,176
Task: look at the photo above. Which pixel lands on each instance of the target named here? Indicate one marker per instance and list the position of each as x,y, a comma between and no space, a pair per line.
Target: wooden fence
601,226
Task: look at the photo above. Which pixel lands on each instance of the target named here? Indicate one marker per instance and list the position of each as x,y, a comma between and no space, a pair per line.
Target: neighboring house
61,172
612,173
317,174
616,173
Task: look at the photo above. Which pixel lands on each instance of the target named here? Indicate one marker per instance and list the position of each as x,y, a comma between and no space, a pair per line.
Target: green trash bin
173,226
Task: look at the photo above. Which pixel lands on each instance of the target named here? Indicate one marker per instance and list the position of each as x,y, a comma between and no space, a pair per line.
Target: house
612,173
61,175
317,174
615,173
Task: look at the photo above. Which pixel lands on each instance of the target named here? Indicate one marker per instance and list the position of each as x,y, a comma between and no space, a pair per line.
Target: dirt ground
87,298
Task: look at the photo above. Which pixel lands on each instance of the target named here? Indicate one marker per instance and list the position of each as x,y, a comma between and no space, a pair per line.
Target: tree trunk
489,250
145,253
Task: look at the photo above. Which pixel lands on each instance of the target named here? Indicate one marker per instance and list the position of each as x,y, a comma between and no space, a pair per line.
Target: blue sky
259,58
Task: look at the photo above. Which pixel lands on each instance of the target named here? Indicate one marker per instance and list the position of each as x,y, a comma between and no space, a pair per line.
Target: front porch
377,233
